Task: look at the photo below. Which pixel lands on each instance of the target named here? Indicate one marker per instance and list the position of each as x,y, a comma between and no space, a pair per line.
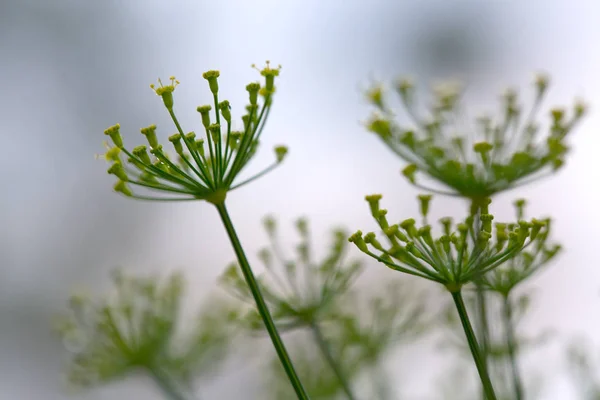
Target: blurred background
72,68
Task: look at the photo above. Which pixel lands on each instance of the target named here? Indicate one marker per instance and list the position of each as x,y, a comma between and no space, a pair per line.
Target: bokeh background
72,68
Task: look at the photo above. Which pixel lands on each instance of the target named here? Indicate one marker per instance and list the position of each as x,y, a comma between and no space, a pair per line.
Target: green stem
483,322
512,348
261,304
324,347
166,384
474,346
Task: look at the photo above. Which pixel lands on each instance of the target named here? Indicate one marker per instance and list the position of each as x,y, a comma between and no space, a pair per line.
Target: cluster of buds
299,292
517,269
494,156
206,168
460,255
135,329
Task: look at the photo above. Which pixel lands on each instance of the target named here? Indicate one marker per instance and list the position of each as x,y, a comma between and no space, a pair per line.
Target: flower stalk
475,348
261,305
511,346
326,352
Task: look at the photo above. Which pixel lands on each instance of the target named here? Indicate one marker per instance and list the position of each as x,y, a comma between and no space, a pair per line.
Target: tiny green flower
499,155
207,169
166,92
454,258
211,77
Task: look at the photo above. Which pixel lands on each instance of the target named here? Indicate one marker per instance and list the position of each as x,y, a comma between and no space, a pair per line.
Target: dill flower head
203,168
299,291
524,264
134,329
463,251
478,160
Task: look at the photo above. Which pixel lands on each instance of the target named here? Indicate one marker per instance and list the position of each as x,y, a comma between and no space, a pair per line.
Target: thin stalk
488,389
166,385
480,302
325,350
512,348
261,305
483,322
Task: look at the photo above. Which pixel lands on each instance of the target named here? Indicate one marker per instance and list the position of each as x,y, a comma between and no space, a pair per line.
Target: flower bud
141,153
280,153
121,187
115,135
358,240
269,74
424,199
225,110
176,140
166,92
373,200
409,172
150,133
204,112
211,77
117,170
253,89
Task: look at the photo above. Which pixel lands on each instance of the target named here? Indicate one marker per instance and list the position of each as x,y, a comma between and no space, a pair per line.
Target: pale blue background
70,69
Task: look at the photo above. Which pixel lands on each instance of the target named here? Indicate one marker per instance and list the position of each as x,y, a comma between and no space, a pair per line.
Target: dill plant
135,329
473,162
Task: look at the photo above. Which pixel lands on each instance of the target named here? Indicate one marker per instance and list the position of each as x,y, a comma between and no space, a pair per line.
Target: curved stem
474,346
512,348
261,305
324,347
167,386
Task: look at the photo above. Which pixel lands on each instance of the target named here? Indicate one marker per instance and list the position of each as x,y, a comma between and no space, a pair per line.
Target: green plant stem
166,384
261,305
474,346
482,324
326,351
512,348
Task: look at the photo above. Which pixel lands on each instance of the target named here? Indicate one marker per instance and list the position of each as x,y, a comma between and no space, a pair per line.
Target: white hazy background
72,68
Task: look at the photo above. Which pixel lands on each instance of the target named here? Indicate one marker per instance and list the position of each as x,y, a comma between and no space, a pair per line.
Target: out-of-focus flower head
492,155
135,329
299,291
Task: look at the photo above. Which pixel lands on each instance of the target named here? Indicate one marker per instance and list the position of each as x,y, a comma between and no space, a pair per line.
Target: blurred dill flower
394,316
458,256
134,330
582,368
474,162
205,168
524,264
369,327
300,292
